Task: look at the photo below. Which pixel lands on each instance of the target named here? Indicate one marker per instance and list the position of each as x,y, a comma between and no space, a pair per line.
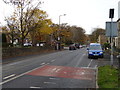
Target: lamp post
59,43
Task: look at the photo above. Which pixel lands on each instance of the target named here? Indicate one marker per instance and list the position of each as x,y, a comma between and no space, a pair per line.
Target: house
118,38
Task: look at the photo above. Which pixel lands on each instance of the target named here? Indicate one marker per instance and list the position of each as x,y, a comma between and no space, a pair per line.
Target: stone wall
14,52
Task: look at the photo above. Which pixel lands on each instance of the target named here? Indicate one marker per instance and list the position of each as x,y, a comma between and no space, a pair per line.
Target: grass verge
107,77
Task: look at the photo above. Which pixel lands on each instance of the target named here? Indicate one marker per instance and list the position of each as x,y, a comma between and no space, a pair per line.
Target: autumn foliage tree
95,34
28,20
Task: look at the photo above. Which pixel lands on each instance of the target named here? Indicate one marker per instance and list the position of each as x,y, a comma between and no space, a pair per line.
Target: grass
107,77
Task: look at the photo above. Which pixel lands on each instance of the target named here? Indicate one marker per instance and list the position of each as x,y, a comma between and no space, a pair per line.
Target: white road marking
9,76
65,72
34,87
42,63
13,63
95,66
20,75
80,60
49,83
82,73
52,60
89,63
54,69
54,78
57,70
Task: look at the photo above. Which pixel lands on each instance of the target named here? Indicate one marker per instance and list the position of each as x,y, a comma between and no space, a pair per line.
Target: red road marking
64,72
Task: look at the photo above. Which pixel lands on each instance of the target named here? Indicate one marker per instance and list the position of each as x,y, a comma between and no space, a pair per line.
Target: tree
39,26
95,34
78,34
12,28
23,15
4,40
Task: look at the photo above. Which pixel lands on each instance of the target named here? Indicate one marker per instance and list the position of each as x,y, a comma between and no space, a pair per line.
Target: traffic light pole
111,40
111,15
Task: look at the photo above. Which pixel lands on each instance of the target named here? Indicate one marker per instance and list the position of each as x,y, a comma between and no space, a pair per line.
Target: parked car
27,44
72,47
77,45
84,46
81,46
95,50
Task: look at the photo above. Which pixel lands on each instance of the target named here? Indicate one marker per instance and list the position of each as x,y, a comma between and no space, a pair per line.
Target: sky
88,14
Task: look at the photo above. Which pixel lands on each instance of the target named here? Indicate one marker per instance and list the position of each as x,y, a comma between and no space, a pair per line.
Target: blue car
95,50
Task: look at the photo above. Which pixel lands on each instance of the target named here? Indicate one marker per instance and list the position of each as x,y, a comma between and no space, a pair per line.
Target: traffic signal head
111,13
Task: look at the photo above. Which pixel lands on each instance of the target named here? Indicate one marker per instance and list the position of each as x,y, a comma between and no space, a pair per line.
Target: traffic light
111,13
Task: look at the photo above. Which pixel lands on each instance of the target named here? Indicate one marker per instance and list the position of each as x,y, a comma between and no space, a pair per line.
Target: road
63,69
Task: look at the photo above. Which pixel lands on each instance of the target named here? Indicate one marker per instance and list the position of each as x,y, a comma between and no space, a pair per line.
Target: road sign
111,29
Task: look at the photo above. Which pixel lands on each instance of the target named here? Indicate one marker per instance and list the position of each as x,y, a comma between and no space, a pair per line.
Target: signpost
111,31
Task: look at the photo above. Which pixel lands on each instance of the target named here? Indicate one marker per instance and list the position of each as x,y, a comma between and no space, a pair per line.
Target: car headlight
90,52
101,52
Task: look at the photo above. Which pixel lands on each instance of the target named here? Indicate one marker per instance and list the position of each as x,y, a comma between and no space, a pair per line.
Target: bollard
118,70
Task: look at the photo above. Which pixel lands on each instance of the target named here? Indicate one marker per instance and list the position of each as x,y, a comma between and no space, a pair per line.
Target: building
118,21
118,38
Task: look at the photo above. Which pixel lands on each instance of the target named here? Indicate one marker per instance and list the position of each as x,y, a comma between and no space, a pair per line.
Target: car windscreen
95,47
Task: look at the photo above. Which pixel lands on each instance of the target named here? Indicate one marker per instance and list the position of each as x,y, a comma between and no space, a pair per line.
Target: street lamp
59,26
60,16
58,45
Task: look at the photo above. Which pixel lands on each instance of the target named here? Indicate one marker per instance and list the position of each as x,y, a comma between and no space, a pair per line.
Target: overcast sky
88,14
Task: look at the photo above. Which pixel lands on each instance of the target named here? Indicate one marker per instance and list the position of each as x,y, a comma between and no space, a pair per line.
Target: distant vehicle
27,44
80,46
95,50
72,47
77,45
84,45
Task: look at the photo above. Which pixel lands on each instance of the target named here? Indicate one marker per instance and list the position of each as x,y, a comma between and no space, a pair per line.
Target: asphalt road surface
63,69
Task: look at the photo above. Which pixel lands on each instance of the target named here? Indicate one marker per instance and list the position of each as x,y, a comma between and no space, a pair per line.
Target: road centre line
54,78
35,87
9,76
20,75
49,83
52,60
89,63
42,63
80,60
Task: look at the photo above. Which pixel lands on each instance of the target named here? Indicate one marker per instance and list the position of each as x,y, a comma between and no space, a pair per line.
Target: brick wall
14,52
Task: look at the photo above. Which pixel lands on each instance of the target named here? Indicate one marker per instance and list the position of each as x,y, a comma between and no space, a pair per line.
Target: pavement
107,60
